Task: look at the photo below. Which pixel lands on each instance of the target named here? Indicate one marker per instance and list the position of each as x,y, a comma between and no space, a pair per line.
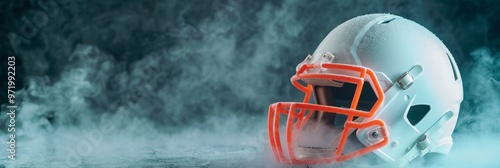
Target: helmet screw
394,144
375,134
327,57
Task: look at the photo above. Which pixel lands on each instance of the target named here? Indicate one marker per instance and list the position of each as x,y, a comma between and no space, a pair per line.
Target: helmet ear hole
417,112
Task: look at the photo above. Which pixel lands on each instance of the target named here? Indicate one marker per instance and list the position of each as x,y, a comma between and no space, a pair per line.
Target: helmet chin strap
425,143
422,146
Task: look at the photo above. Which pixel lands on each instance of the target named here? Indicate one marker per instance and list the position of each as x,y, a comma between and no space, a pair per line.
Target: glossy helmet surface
380,84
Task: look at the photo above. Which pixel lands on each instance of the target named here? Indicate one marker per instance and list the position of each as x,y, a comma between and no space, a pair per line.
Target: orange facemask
299,113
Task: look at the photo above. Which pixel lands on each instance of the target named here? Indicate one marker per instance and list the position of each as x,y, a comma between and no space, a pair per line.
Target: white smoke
177,83
477,132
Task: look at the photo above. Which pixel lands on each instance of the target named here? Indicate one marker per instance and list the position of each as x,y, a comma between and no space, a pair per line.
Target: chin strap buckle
423,144
405,81
408,78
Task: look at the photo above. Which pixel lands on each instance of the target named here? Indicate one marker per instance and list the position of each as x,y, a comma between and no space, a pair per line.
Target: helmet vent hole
386,21
417,112
452,66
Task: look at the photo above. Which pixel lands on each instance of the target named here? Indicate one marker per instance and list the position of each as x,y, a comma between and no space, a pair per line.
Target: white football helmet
382,85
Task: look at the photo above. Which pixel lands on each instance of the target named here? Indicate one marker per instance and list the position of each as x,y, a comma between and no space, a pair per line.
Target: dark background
174,70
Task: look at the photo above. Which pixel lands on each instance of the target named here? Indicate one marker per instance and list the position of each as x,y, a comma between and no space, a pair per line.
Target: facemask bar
297,111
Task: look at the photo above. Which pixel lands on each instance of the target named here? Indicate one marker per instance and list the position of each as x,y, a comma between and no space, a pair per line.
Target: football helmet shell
414,80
